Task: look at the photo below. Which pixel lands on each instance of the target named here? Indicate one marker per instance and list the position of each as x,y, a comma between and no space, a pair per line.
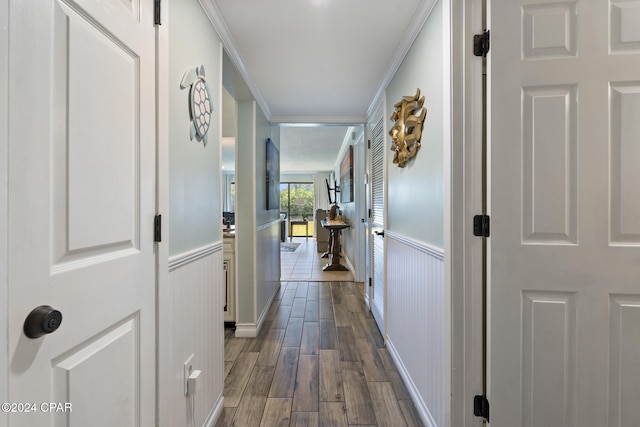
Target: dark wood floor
319,361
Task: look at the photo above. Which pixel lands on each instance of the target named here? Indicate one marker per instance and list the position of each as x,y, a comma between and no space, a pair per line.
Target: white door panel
377,224
564,257
81,208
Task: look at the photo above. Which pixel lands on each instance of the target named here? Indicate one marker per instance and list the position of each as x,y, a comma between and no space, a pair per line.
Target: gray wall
415,196
418,294
194,289
258,249
194,175
245,212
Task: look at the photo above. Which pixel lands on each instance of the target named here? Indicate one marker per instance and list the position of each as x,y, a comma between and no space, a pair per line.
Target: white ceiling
316,61
310,149
303,149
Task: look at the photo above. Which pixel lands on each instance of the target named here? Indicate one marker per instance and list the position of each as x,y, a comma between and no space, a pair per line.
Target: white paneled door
564,296
81,208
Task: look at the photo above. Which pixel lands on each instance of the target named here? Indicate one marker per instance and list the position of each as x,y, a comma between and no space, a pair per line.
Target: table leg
335,265
329,245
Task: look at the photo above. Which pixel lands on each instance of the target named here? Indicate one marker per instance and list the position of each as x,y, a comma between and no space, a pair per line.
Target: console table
299,222
334,249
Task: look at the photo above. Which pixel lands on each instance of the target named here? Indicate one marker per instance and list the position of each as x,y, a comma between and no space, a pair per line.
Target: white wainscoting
197,281
418,321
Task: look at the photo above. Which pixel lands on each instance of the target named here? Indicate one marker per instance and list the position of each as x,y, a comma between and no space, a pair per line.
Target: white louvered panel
377,174
377,215
416,324
198,287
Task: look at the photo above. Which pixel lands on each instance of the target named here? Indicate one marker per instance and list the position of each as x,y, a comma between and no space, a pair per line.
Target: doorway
296,203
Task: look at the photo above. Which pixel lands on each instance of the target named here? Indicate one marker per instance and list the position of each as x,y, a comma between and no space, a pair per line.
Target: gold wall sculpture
407,129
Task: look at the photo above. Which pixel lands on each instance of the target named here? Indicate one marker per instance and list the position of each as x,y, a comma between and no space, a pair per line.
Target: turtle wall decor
407,129
200,105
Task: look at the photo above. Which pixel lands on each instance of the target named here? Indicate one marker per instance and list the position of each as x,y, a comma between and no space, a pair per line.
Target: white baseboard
267,306
251,330
347,261
215,413
418,402
246,330
378,315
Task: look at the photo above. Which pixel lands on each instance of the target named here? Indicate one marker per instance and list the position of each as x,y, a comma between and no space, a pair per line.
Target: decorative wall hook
407,129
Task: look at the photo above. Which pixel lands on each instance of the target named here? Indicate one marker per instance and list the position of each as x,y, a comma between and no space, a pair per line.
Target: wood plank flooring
319,361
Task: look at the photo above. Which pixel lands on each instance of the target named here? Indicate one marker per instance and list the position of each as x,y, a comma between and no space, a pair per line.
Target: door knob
41,321
379,233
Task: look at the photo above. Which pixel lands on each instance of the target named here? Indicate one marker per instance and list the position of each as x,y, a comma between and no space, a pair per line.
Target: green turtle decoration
200,106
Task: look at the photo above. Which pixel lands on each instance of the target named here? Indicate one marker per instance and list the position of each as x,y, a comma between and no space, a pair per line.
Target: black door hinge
157,228
481,407
368,143
481,225
370,282
156,12
481,44
369,213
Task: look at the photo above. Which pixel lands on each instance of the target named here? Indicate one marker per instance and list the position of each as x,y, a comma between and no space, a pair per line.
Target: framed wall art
273,176
346,176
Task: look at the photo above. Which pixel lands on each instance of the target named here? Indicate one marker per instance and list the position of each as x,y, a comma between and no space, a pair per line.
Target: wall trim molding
433,251
251,330
267,307
349,265
268,225
188,257
246,330
215,413
420,405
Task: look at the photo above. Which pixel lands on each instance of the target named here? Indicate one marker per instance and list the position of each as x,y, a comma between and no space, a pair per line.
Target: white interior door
377,224
366,224
81,208
564,302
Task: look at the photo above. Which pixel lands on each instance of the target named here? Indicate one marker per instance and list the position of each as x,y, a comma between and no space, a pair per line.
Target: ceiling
303,149
316,61
311,149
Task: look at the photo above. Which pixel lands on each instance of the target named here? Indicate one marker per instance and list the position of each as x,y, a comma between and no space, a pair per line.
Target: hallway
319,360
305,264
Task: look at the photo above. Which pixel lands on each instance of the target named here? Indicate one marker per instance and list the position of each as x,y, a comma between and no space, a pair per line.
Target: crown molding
422,14
215,17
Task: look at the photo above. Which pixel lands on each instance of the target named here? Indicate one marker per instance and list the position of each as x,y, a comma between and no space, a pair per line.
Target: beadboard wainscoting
196,278
417,324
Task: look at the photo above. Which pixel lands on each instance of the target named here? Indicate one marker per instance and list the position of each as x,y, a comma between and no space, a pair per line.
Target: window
296,200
